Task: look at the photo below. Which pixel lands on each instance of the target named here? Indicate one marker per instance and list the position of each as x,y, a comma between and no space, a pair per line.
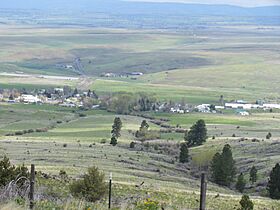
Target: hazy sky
243,3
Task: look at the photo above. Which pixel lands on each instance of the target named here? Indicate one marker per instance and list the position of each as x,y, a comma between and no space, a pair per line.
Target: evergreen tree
268,136
197,134
246,203
253,175
75,92
143,129
184,153
114,141
216,169
241,183
116,128
89,93
228,165
144,126
11,97
223,167
273,185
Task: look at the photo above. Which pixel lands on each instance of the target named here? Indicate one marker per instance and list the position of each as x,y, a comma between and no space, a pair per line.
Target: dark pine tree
241,183
246,203
197,134
223,167
114,141
184,153
273,185
116,128
253,175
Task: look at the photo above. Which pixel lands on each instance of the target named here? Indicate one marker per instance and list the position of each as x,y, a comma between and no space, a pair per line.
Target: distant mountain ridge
116,7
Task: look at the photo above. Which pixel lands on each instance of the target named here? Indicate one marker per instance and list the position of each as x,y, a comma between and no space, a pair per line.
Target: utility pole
110,189
203,189
32,184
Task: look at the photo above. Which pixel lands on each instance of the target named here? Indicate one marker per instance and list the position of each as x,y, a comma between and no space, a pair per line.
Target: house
204,108
243,113
136,73
29,99
219,107
238,106
59,90
95,106
108,75
177,110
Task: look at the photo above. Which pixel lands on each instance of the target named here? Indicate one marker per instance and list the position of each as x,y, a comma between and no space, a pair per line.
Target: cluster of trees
143,130
116,131
223,172
125,103
145,134
196,136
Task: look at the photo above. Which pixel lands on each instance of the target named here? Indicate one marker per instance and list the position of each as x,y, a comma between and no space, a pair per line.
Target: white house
177,110
30,99
59,90
204,108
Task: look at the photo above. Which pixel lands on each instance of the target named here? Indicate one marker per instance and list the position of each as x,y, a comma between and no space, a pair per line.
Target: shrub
91,187
114,141
103,141
132,145
148,205
246,203
268,136
30,131
18,133
82,115
9,172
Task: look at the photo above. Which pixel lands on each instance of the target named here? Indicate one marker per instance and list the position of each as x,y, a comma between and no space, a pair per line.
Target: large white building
29,99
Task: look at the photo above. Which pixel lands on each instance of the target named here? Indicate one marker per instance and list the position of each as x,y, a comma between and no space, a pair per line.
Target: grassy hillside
73,143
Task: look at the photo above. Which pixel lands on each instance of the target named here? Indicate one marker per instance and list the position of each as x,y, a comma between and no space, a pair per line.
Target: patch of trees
145,134
125,103
23,132
196,136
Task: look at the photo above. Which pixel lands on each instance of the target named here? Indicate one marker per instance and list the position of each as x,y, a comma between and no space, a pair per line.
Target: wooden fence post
110,190
32,183
203,189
